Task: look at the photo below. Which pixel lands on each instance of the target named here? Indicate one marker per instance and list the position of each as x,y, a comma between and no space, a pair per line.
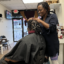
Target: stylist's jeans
54,60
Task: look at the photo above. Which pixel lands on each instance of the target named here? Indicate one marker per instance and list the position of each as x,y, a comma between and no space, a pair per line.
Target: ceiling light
32,1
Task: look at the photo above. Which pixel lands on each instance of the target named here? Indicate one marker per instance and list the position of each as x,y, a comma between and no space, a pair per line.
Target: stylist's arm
46,25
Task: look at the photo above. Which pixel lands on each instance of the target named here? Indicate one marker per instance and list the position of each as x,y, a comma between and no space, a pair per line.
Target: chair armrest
5,40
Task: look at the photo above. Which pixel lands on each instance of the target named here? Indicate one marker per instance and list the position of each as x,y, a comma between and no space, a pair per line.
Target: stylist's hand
30,19
37,19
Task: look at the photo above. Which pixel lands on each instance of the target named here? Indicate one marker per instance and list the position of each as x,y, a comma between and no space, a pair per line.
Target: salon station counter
61,51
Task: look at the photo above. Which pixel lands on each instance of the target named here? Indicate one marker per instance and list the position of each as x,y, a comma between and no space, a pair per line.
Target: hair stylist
48,24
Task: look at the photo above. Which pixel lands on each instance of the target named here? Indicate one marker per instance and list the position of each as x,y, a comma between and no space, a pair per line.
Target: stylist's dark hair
34,25
45,6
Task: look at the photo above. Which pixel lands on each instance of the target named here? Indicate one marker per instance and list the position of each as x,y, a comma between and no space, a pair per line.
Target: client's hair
34,25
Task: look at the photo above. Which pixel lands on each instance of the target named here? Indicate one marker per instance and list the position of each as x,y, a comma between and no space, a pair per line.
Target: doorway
18,31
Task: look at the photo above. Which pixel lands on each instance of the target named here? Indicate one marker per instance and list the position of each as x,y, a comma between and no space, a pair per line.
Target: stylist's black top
50,35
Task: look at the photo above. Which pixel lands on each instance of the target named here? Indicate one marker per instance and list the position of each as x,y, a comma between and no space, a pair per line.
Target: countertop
61,41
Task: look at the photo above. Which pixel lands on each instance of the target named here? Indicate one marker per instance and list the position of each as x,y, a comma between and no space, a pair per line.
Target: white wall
6,25
60,12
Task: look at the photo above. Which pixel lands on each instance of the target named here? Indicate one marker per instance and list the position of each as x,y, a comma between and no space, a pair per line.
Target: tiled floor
6,51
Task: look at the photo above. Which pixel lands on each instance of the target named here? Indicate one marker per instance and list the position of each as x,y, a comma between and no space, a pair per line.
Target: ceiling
18,4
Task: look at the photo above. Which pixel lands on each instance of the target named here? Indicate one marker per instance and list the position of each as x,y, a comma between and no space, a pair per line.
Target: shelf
54,5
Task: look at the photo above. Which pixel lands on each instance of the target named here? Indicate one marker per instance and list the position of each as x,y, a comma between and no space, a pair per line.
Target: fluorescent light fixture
32,1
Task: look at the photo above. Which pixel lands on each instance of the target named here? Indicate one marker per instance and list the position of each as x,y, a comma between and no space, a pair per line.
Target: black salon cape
25,47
